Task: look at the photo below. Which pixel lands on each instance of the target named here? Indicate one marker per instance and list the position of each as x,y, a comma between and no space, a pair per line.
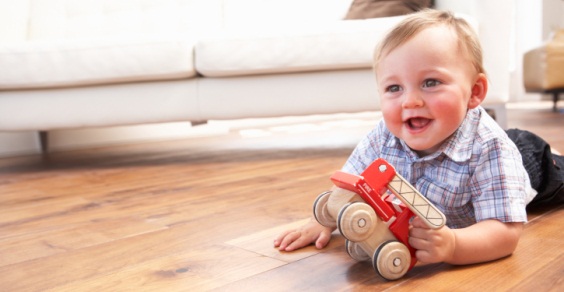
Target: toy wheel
321,212
355,251
357,221
392,260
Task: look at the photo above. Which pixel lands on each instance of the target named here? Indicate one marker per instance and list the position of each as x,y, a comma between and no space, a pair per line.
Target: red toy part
371,196
380,175
377,227
377,179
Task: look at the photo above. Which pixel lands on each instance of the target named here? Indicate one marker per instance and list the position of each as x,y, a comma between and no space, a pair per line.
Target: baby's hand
432,245
309,233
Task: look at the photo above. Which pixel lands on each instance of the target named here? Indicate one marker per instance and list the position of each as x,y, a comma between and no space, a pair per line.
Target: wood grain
201,214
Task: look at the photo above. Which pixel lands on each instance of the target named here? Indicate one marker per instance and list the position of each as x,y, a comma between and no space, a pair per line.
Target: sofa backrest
71,19
257,13
14,17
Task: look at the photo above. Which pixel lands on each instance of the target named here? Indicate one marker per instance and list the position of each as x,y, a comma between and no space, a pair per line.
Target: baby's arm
484,241
311,232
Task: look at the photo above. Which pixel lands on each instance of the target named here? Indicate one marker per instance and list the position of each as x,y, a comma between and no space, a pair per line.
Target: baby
431,83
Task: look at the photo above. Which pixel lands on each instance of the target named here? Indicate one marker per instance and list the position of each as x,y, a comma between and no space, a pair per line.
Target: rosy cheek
391,109
446,106
393,120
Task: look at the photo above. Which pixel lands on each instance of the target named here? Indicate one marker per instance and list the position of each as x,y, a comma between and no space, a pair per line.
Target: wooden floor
201,214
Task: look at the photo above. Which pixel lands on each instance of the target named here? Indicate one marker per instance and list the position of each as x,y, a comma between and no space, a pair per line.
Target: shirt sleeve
499,184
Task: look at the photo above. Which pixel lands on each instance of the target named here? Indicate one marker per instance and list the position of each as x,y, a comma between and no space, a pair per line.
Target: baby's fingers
323,240
291,241
278,240
297,242
417,222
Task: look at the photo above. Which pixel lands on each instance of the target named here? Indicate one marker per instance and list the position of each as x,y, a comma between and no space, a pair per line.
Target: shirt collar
459,146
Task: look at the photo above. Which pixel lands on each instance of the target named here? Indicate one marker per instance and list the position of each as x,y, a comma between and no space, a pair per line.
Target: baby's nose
412,99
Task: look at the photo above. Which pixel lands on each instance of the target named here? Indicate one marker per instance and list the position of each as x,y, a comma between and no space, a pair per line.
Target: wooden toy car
373,212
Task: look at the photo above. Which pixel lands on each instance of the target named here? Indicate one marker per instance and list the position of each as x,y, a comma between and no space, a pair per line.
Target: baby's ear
479,90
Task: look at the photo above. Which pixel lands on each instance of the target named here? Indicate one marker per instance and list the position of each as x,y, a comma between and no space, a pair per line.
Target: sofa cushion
361,9
328,46
42,64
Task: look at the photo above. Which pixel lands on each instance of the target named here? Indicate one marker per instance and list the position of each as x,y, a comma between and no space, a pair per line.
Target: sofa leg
44,141
198,123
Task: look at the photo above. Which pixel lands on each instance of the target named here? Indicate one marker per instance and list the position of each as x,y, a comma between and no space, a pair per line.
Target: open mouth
416,124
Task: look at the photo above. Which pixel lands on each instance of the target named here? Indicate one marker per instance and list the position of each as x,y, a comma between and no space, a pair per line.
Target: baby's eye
431,83
393,88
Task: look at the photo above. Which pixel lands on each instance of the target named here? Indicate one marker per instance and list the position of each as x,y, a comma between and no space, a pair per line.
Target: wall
553,12
534,23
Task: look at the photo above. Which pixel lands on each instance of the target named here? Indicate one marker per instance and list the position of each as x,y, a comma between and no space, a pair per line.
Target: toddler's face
426,87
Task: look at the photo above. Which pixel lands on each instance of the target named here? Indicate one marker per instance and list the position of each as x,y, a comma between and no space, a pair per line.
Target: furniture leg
44,141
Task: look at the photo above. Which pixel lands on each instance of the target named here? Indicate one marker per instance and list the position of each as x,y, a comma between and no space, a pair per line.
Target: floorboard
201,214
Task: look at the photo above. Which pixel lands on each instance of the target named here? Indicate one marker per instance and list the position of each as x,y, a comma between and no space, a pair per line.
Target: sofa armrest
14,20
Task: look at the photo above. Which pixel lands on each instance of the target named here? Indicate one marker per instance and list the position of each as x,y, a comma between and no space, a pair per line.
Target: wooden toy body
373,212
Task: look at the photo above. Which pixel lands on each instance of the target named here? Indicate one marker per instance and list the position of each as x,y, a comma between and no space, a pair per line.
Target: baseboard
28,143
19,143
65,140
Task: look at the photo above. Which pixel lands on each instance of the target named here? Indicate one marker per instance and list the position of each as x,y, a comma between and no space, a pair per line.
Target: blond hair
416,22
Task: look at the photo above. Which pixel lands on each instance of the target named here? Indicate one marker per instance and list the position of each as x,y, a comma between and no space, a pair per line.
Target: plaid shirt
477,174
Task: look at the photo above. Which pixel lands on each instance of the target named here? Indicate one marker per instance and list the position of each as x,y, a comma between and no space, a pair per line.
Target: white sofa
93,63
